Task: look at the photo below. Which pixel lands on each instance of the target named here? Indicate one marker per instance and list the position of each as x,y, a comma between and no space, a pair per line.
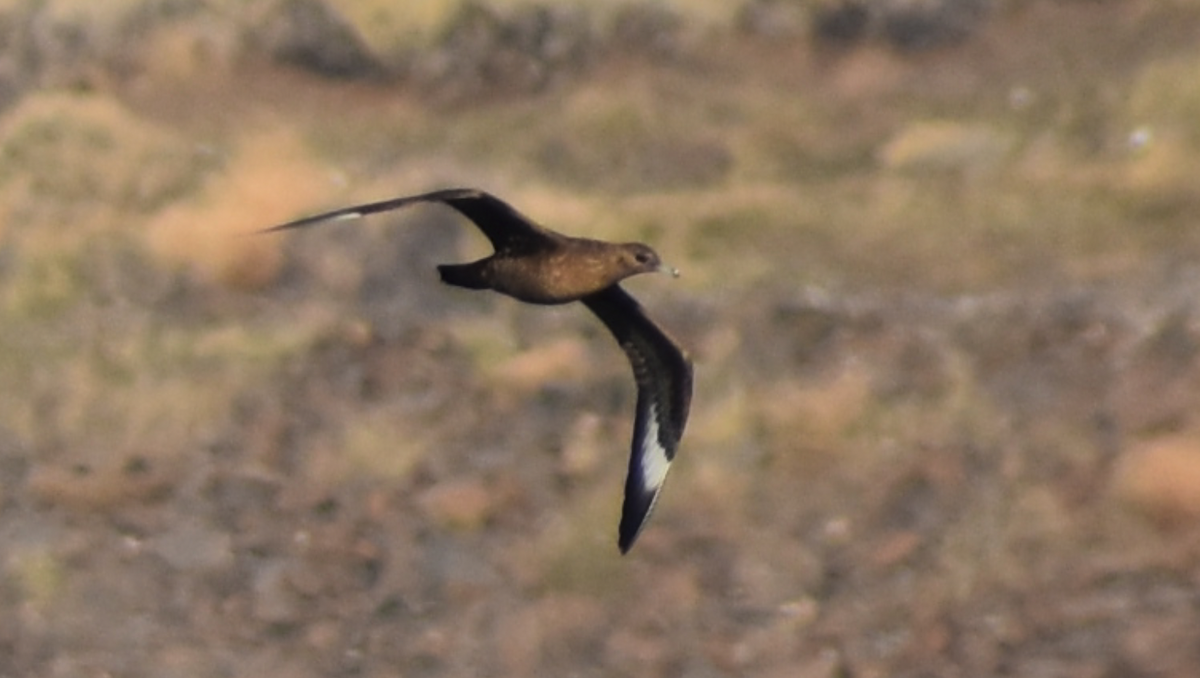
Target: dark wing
664,393
505,227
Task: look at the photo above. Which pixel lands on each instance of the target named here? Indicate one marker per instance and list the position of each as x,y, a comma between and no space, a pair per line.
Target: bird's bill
673,272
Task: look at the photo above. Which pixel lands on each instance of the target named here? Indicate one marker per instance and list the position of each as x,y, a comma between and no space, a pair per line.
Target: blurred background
940,283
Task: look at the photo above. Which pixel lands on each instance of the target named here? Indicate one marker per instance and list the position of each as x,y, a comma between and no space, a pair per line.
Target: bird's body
539,266
565,270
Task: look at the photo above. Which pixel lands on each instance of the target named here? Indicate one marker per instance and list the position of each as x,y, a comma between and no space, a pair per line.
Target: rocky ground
940,285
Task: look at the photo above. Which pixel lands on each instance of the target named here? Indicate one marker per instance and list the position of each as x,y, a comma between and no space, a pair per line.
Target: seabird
536,265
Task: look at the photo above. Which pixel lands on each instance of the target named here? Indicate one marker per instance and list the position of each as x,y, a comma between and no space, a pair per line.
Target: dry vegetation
943,308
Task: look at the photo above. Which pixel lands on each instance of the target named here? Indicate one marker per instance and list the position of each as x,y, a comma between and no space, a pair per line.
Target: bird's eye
642,258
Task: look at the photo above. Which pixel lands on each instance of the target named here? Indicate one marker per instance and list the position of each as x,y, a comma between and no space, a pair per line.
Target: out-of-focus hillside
940,286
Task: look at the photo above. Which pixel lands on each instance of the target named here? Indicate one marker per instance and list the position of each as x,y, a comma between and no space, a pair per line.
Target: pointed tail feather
463,275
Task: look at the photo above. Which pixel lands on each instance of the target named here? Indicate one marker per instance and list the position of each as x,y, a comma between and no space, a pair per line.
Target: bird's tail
463,275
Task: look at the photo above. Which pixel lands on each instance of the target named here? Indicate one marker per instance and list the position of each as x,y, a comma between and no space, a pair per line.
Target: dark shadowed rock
915,26
483,50
844,22
907,25
310,35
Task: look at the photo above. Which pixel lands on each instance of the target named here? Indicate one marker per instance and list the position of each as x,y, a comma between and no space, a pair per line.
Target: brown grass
268,179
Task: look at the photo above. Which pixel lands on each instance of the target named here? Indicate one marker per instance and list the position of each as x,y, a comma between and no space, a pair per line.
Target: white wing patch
655,463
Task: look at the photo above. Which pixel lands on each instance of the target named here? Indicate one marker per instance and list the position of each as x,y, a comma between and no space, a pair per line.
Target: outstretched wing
506,228
664,393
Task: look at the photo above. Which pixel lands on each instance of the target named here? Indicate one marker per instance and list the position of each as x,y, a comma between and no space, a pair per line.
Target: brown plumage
538,266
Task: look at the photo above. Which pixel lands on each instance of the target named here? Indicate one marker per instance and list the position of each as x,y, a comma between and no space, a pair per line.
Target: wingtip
632,525
635,514
627,535
340,215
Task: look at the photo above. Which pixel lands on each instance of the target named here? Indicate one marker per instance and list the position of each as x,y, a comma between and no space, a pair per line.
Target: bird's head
639,258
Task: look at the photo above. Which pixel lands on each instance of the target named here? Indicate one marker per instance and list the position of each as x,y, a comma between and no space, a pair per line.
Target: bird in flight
539,266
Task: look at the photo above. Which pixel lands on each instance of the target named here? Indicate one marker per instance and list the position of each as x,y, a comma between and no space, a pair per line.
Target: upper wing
505,227
664,383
